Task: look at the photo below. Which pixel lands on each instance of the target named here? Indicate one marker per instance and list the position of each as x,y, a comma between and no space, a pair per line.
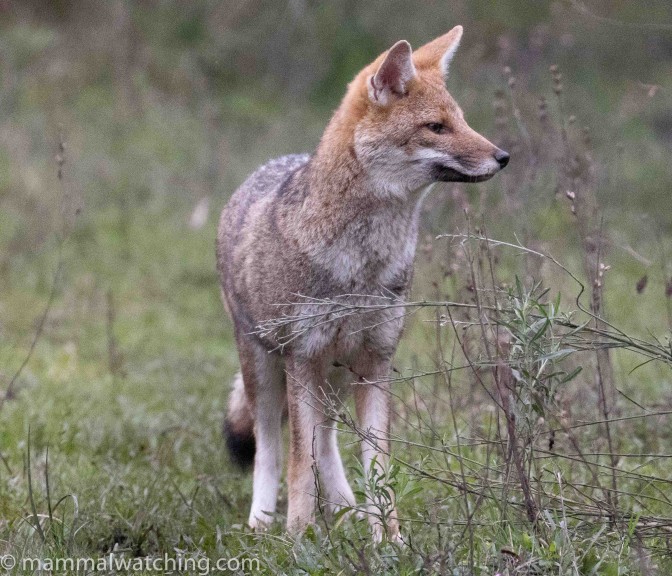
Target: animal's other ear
440,51
393,75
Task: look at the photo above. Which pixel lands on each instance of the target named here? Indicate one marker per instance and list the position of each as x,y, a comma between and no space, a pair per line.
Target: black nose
502,157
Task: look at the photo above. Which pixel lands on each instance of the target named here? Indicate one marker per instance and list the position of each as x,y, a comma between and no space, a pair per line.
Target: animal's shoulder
268,177
262,183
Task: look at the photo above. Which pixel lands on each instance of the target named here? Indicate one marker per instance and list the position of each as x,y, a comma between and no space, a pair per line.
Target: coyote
307,236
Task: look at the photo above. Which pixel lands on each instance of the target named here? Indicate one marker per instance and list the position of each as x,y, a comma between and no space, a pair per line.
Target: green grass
140,450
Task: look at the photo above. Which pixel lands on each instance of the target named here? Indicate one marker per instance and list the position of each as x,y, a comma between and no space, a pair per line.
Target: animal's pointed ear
440,51
393,75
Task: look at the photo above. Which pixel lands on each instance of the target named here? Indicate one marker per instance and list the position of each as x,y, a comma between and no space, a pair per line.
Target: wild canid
338,226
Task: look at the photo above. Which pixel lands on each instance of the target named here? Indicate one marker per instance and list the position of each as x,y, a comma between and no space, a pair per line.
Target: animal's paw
260,522
392,534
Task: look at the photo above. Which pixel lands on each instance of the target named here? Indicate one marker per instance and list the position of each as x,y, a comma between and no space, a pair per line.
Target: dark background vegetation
163,108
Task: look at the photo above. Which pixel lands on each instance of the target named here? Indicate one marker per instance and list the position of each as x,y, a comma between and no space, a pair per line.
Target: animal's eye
436,127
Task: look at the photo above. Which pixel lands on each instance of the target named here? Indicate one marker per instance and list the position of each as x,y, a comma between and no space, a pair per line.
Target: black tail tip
241,447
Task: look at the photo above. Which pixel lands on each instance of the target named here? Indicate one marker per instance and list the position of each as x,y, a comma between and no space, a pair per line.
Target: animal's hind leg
313,459
334,487
264,377
373,404
305,419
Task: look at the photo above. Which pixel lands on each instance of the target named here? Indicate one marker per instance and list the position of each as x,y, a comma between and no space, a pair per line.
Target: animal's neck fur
340,189
348,221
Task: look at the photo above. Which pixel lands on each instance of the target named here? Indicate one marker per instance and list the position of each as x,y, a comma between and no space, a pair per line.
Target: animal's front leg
303,381
372,399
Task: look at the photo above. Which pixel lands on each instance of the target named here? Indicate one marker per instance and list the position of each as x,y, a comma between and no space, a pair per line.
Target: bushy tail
239,426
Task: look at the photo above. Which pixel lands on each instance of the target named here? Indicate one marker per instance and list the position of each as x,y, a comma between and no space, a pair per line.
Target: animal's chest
362,275
343,327
371,254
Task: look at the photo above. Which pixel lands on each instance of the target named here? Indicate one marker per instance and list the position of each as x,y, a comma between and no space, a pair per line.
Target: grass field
532,435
